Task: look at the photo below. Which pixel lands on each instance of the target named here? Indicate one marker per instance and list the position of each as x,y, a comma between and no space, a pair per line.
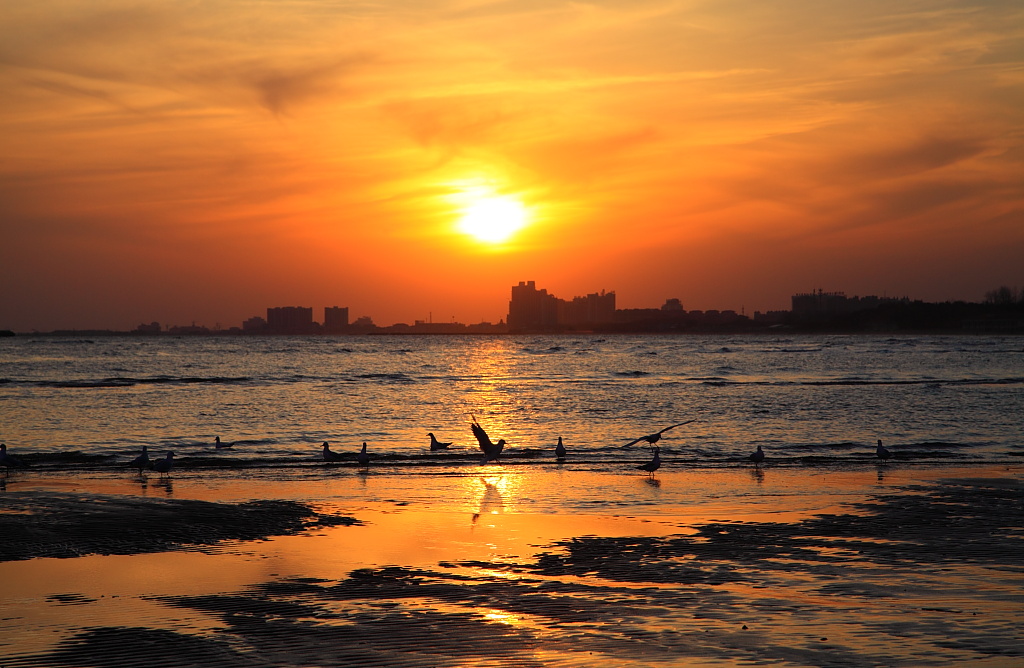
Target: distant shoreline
787,331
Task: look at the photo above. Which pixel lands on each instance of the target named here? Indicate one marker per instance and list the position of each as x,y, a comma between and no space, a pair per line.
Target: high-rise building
335,319
290,320
594,309
535,310
531,309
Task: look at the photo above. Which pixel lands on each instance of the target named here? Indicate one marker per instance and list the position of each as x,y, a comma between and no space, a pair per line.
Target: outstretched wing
481,435
674,426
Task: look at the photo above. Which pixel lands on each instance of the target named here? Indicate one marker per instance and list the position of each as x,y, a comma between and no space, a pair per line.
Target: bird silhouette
656,436
10,461
164,465
330,456
217,442
491,450
757,456
436,444
362,457
652,465
882,452
142,461
560,449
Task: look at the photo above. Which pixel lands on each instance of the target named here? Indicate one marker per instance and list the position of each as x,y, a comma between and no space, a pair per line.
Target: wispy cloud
674,127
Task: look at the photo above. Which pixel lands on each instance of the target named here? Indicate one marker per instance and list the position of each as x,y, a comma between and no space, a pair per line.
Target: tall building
535,310
594,309
531,309
335,319
810,305
290,320
820,303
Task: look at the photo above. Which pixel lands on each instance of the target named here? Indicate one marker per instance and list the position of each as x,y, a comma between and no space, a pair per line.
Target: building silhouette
531,309
536,310
290,320
335,319
824,305
594,309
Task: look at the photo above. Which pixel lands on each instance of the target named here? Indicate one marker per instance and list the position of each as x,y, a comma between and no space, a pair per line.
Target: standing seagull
757,456
330,456
882,452
362,457
656,436
652,465
560,449
164,465
491,450
142,461
9,461
216,442
436,444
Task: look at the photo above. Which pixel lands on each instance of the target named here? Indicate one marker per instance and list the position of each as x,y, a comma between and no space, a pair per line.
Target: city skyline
198,162
533,309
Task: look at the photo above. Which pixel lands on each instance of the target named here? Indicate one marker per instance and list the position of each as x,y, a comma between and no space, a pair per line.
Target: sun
492,218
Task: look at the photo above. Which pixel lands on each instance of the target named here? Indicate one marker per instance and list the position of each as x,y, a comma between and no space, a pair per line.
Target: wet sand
497,567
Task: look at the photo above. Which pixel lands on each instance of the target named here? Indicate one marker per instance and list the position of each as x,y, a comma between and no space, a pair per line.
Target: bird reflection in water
491,502
166,484
653,482
757,475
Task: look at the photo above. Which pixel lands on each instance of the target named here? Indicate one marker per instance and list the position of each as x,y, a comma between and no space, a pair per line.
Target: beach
264,554
884,564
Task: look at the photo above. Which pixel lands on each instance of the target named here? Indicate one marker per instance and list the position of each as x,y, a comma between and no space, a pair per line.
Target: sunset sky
200,161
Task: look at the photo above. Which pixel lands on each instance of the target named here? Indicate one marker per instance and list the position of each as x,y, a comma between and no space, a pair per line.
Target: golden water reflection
419,524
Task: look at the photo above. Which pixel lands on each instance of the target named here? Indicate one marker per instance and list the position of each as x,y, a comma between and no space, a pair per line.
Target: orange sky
181,162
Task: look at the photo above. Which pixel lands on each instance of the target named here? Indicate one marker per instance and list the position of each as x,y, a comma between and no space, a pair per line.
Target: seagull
362,457
882,452
331,456
491,450
757,456
656,436
652,465
560,449
216,442
10,461
164,465
142,461
436,444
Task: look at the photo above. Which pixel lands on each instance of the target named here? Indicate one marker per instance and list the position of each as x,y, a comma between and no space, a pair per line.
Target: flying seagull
362,457
882,452
142,461
331,456
756,456
656,436
560,449
652,465
491,450
436,444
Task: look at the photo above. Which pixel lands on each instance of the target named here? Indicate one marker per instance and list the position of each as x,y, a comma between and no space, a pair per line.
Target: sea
807,400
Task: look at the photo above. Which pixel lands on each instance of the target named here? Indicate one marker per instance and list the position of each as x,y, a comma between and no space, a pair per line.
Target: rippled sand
868,567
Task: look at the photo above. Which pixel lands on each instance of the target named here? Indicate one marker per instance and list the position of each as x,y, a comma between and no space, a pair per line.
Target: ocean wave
468,462
385,377
854,382
125,381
